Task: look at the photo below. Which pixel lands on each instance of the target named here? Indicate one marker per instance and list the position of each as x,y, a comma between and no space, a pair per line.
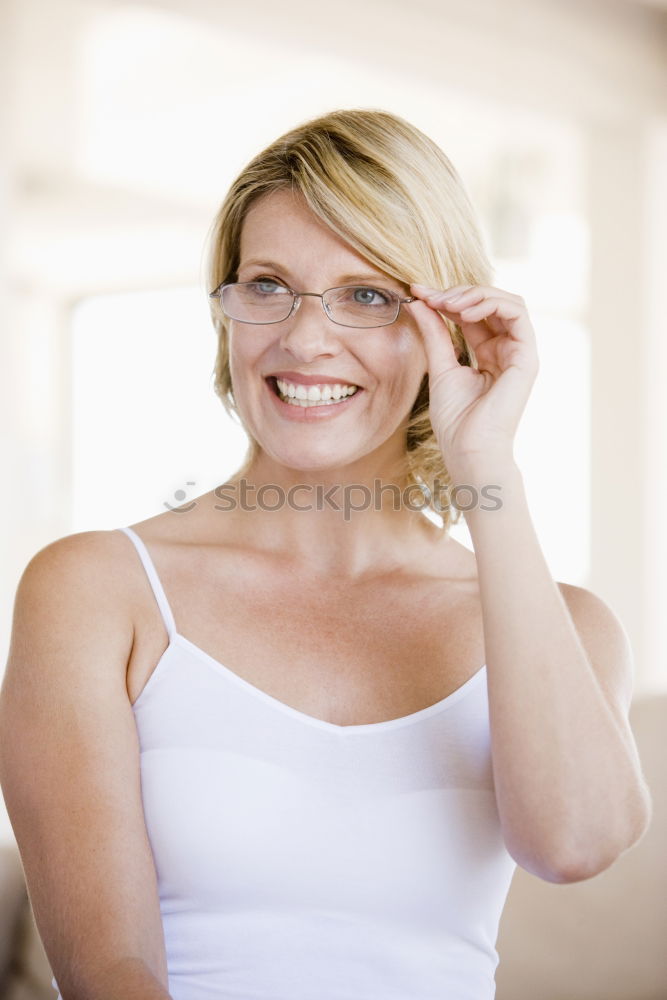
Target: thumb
437,339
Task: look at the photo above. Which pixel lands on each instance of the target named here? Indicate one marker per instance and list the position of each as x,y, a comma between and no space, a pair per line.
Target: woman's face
284,241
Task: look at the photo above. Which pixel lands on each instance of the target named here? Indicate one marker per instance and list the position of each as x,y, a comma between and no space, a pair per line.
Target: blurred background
122,126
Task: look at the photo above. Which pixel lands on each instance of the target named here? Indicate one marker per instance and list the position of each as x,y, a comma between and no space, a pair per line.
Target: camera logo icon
180,495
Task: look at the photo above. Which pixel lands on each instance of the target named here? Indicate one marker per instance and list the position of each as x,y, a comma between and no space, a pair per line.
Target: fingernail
423,288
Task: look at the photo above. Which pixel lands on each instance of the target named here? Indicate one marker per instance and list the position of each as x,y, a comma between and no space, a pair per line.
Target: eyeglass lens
351,305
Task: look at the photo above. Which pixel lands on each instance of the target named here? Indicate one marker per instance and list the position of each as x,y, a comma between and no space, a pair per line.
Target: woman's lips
308,413
298,379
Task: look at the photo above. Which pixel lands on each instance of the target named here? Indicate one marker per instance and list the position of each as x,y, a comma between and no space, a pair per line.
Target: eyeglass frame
296,302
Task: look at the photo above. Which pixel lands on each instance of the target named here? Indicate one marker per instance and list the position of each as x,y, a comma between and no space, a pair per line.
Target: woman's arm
69,768
128,979
571,795
569,785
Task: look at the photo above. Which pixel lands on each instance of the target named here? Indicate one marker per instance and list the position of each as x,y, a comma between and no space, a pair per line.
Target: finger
426,293
506,320
476,293
465,293
437,339
504,309
467,315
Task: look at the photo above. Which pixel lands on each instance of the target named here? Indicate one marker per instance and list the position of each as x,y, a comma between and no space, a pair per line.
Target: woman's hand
475,412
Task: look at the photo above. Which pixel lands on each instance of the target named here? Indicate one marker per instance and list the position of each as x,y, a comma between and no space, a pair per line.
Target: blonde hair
392,194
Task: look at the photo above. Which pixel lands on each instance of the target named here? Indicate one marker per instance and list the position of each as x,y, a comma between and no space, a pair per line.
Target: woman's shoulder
79,553
95,568
70,589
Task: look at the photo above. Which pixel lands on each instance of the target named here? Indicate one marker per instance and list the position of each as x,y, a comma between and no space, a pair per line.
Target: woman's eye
365,296
266,284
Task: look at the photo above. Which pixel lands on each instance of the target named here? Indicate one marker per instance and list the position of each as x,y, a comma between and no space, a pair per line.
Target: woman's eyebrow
342,279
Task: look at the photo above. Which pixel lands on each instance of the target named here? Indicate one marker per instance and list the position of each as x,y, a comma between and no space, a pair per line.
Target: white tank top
300,859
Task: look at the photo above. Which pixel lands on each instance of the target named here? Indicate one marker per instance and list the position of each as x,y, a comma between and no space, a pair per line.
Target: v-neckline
177,638
305,717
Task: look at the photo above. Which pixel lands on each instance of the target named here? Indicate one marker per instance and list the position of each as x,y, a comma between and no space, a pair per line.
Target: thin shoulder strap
154,579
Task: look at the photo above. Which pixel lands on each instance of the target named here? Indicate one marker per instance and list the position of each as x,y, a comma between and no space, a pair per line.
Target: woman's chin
310,462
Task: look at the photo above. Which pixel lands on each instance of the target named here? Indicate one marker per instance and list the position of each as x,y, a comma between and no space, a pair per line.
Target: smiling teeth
314,395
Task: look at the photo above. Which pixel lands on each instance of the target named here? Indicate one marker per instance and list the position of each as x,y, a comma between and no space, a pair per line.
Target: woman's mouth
312,395
309,401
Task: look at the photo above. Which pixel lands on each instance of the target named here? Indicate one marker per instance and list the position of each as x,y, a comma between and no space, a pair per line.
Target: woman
291,739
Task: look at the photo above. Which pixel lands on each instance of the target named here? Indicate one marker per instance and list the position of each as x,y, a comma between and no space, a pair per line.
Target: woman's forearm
569,790
128,979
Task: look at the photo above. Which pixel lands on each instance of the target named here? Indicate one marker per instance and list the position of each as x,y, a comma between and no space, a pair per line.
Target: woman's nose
309,327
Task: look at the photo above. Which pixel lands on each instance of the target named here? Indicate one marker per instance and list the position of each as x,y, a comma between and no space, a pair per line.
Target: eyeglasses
267,301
